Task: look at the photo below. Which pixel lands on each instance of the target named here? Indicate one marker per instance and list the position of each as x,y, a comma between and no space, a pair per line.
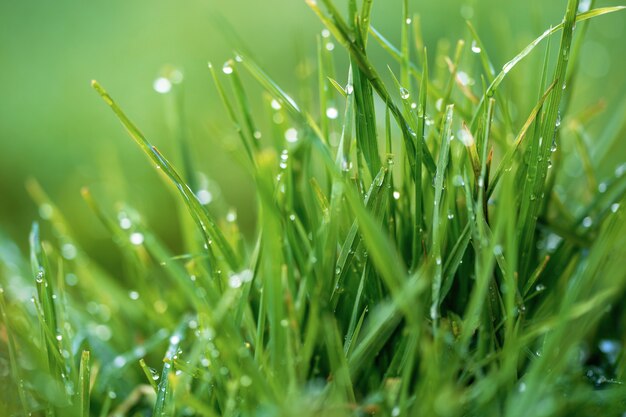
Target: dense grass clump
417,252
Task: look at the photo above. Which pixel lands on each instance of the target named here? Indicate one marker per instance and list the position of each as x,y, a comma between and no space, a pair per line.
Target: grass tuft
415,252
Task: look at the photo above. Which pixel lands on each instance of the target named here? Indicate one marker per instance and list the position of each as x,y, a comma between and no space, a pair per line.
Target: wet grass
416,252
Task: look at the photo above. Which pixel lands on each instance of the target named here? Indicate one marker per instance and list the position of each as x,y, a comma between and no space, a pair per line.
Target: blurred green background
54,128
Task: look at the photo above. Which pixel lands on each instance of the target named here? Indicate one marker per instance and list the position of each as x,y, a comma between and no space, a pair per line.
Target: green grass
418,251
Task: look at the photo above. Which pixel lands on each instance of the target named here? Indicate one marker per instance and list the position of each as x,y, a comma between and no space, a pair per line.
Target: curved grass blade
205,222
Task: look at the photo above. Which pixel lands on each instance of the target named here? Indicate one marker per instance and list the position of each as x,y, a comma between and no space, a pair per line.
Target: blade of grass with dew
529,48
205,223
438,220
537,171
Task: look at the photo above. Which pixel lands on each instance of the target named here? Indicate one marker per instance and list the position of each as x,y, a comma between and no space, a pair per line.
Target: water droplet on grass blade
611,349
227,68
125,223
332,113
119,361
464,78
162,85
587,222
291,135
133,295
275,104
68,251
235,281
231,216
475,48
614,207
404,93
136,238
204,197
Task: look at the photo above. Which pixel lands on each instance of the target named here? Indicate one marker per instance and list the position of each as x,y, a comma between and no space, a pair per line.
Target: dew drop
133,295
275,104
162,85
587,222
404,93
465,137
349,89
330,46
464,78
204,196
136,238
332,113
291,135
614,207
584,5
119,361
235,281
475,48
396,195
231,216
325,33
125,223
408,21
68,251
602,187
227,68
